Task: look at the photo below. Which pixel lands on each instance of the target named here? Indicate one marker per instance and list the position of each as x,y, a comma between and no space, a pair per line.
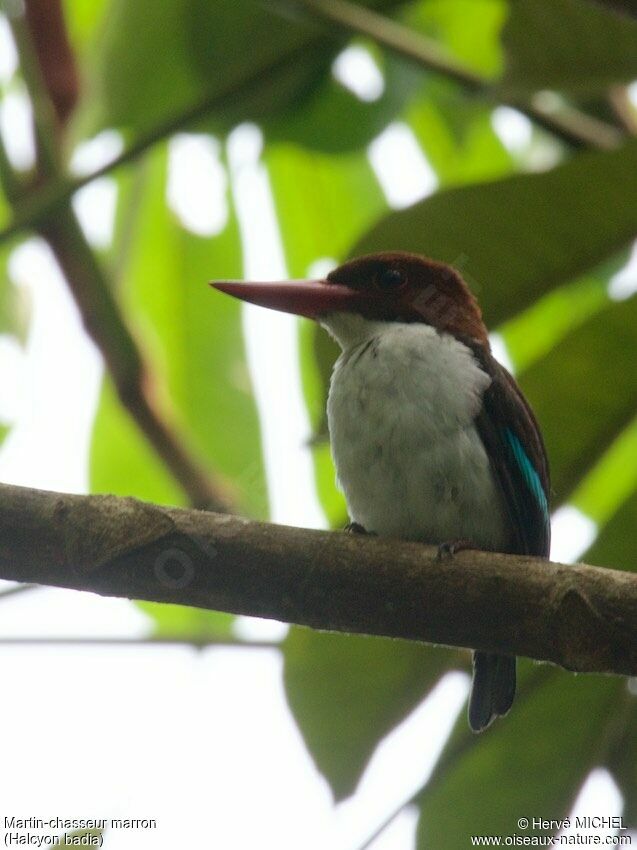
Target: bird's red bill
310,298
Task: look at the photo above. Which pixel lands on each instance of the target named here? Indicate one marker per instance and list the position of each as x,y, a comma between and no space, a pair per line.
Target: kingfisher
431,437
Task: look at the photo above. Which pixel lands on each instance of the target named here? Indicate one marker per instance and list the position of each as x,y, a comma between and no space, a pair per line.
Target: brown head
389,286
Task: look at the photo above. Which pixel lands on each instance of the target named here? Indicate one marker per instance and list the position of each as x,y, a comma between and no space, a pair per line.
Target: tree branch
582,618
51,45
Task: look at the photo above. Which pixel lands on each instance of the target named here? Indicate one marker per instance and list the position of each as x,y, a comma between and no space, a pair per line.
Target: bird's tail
493,688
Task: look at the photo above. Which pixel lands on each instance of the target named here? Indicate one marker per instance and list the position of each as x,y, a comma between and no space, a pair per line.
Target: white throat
401,410
350,329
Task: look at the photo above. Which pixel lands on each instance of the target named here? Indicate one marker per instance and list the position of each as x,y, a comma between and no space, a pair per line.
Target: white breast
401,411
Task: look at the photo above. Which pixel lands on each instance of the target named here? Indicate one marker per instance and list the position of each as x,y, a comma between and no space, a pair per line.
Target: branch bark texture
582,618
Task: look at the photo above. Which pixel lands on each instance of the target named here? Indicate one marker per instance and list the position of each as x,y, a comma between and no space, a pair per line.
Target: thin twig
582,618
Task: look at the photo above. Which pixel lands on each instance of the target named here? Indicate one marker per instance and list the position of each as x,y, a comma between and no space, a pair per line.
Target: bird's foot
357,528
449,548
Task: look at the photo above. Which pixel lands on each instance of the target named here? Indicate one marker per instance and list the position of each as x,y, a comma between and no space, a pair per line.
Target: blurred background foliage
540,229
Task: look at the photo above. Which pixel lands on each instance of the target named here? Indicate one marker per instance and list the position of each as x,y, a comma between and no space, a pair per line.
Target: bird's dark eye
389,279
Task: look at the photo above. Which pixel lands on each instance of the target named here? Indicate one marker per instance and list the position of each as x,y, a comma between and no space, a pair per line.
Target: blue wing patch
528,470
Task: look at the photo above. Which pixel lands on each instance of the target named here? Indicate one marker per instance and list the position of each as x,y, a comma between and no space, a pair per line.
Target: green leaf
122,462
6,291
348,691
14,303
317,353
584,392
331,498
134,36
457,137
5,207
576,46
82,19
469,30
503,774
532,334
344,200
268,65
516,238
333,119
193,337
612,481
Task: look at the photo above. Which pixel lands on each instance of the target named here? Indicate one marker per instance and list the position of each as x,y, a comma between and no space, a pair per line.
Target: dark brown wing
513,441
